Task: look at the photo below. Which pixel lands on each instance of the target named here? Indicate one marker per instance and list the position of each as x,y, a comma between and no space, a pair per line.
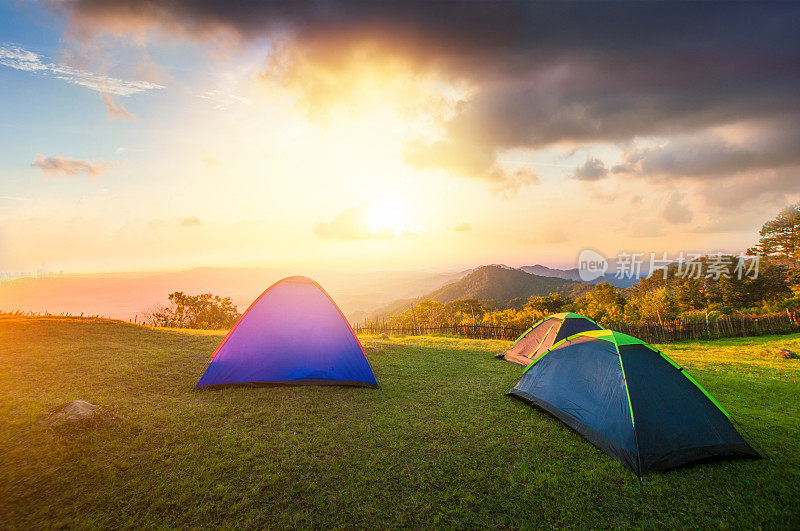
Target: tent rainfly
544,334
631,401
292,334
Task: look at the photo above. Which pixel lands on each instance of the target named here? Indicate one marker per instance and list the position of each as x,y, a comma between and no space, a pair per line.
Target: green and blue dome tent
544,334
631,401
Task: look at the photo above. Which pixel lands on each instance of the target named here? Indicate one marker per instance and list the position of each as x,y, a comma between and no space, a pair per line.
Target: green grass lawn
437,445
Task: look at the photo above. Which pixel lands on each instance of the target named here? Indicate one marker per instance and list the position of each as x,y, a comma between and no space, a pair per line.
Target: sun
386,214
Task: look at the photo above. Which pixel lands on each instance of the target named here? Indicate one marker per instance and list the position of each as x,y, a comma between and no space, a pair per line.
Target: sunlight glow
387,214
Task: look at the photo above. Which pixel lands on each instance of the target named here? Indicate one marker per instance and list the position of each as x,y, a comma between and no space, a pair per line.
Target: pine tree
779,239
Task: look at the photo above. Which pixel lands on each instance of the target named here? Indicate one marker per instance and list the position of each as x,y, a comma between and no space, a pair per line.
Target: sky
149,135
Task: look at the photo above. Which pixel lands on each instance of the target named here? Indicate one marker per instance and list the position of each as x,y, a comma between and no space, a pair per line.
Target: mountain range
500,284
494,285
574,274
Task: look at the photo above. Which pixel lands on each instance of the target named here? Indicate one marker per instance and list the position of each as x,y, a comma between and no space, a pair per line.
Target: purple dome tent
292,334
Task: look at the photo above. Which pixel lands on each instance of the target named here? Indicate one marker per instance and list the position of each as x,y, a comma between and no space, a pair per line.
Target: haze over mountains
359,294
573,274
126,295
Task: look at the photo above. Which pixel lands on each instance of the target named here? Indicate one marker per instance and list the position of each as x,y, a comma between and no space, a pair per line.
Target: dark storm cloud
461,28
545,72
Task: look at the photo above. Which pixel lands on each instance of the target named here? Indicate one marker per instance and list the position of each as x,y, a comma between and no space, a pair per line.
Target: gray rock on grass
75,412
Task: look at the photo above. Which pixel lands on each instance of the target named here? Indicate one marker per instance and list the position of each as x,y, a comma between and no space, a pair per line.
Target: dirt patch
78,413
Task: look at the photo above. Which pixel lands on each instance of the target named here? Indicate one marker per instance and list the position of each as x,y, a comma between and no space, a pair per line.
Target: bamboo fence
664,332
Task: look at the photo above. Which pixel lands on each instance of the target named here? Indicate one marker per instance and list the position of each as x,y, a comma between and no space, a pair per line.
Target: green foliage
699,316
654,306
472,311
679,293
513,318
433,313
683,290
792,301
466,311
527,313
779,238
603,304
438,445
549,304
205,311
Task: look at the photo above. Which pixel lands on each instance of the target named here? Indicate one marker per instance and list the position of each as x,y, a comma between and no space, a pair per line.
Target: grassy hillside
437,445
496,283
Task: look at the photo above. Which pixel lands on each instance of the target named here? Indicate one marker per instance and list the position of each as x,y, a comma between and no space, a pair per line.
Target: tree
430,313
604,303
548,304
425,313
206,311
779,238
656,305
509,317
466,311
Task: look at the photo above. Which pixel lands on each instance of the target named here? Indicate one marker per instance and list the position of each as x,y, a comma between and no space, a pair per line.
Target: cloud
645,229
592,170
350,224
545,235
675,210
192,221
21,59
65,166
463,29
539,75
145,68
709,155
555,236
463,227
116,111
471,160
223,100
767,187
506,183
466,158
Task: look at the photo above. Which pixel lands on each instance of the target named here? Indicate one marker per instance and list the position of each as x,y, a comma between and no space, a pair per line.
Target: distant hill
503,284
573,274
544,271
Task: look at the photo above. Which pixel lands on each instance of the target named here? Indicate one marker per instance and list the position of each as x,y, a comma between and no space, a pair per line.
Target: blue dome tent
631,401
292,334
